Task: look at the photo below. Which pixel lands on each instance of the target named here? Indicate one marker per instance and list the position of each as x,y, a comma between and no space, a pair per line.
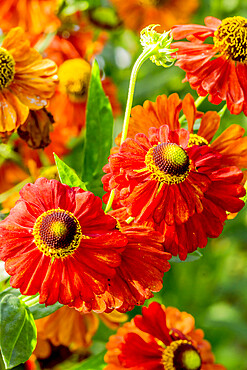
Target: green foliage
67,174
93,363
98,139
18,331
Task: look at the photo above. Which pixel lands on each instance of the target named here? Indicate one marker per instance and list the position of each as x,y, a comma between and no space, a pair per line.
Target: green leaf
99,130
18,335
67,174
92,363
40,310
191,257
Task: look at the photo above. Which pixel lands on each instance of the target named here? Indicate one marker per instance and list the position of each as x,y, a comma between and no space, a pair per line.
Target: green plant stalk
140,60
198,101
147,53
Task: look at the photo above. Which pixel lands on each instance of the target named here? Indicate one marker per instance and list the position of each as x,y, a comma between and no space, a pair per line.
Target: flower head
160,176
159,43
160,339
219,68
27,81
58,241
231,143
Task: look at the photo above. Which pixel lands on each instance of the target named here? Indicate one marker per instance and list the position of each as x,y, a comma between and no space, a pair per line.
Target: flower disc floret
180,354
197,140
168,163
7,68
57,233
230,38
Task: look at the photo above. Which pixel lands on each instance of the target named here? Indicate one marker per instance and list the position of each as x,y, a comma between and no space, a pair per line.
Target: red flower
231,143
160,176
219,68
161,339
58,241
140,273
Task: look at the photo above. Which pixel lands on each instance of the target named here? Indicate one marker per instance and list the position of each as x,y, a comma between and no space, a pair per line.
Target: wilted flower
27,81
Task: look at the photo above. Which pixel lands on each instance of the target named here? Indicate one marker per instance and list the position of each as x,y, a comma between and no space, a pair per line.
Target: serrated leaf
67,174
40,310
93,363
98,137
18,335
191,257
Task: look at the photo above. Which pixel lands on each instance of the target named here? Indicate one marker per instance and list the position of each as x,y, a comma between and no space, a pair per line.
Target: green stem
140,60
110,200
222,111
30,300
198,101
42,44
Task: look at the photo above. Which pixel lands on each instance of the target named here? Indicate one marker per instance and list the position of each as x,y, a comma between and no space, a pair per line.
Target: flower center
197,140
74,76
7,68
230,38
57,233
181,355
168,163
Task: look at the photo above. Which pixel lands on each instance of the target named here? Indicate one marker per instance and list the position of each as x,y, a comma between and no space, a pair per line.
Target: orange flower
217,68
231,143
162,338
27,81
34,16
68,105
79,43
137,14
72,329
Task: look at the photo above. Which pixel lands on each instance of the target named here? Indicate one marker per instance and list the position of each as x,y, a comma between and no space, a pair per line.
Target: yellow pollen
180,354
7,68
230,39
74,76
168,163
57,233
195,139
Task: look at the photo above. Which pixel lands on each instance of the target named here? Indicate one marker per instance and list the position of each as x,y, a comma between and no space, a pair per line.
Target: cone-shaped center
171,158
181,355
168,163
230,38
57,233
7,68
74,76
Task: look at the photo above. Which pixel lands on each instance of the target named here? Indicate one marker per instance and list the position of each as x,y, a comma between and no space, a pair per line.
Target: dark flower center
181,355
57,233
168,163
195,139
230,38
7,68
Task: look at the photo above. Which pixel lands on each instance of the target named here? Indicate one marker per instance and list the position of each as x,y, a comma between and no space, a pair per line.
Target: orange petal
13,112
